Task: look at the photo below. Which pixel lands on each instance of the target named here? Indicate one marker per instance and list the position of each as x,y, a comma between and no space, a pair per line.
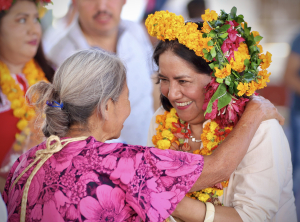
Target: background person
88,179
22,63
99,25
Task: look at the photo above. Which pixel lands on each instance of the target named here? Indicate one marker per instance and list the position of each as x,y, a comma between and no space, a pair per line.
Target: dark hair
39,57
197,62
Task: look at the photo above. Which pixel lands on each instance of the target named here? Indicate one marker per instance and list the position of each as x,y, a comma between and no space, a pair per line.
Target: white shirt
261,188
135,50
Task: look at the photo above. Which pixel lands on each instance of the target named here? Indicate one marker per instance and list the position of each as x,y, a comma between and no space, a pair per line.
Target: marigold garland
172,133
33,74
231,48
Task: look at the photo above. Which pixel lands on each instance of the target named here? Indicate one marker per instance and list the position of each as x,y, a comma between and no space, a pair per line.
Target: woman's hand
263,109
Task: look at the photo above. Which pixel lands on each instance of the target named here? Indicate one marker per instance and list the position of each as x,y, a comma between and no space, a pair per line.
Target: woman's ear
109,109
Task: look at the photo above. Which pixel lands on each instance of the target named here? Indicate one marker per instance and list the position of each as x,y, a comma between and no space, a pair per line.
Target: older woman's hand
264,109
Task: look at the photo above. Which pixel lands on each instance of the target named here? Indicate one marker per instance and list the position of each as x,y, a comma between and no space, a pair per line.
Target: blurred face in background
99,17
20,32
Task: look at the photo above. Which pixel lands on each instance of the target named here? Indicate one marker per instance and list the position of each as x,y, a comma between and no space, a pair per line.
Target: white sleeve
263,180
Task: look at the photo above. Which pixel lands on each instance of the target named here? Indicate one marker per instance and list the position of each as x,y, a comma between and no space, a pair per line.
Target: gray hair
83,83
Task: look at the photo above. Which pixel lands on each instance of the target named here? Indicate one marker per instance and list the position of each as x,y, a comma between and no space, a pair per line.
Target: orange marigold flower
206,28
242,87
237,64
226,71
252,87
209,15
260,48
266,60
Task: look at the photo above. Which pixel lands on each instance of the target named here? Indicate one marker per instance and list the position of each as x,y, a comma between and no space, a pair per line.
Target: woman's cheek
164,89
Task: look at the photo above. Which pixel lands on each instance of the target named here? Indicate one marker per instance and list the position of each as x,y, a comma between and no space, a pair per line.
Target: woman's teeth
183,104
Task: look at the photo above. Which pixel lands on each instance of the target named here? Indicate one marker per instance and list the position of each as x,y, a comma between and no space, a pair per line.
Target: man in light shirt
99,26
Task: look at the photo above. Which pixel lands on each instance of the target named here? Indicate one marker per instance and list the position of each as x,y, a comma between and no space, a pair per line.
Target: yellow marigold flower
203,197
211,145
251,88
20,137
264,78
242,87
209,15
169,122
22,124
208,190
210,136
167,134
173,112
237,63
219,192
206,28
213,126
163,144
266,60
16,103
255,33
260,48
226,71
17,147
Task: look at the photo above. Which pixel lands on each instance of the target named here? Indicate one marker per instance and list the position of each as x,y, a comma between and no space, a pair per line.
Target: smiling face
20,32
183,86
99,17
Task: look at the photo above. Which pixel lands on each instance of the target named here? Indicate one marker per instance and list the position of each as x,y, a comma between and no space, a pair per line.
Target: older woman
22,63
75,176
260,188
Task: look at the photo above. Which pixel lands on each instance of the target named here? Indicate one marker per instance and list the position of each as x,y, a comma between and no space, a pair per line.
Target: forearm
194,210
225,159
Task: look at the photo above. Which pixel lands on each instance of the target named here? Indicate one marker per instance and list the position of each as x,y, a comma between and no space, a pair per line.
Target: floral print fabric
93,181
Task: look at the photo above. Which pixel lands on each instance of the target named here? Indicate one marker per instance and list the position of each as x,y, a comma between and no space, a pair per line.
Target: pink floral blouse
93,181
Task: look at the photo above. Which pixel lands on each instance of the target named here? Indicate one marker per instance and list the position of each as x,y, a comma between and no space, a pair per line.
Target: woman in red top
22,63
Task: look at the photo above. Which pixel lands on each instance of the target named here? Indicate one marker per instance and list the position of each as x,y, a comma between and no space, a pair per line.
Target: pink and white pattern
93,181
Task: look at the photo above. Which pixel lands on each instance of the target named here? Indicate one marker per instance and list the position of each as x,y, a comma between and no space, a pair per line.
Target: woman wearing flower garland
76,176
207,71
22,64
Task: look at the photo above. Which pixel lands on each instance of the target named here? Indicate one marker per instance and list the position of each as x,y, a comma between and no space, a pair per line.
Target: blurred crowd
28,55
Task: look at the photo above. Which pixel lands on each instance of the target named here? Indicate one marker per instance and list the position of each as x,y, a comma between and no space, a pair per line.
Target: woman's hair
83,83
39,57
197,62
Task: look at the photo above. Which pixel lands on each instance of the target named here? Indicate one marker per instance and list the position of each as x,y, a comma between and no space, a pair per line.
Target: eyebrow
177,77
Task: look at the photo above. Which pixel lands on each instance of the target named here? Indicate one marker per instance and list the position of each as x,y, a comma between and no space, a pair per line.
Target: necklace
9,87
173,133
193,138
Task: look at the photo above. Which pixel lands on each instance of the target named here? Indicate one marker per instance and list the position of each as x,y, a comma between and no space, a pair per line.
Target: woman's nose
34,28
174,92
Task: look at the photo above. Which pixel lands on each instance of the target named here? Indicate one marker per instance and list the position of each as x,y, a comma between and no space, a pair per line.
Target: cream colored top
261,188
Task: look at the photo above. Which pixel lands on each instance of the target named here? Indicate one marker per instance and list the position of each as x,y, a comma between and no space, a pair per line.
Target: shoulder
268,144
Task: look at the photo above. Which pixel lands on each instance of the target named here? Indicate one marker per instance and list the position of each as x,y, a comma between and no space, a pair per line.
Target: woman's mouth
184,105
33,42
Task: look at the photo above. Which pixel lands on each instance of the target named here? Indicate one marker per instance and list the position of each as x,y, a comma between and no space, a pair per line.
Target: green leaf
246,62
211,65
204,35
248,76
233,12
212,34
219,80
227,81
247,31
219,94
210,43
219,23
220,58
224,100
224,28
213,52
258,38
204,51
223,36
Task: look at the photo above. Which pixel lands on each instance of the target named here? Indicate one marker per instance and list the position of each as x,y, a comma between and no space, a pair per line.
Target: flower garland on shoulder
33,74
238,69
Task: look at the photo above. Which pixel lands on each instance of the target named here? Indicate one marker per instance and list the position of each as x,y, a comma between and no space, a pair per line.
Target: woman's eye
182,81
162,80
22,20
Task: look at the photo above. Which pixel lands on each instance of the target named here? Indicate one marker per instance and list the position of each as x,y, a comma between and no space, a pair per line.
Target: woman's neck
196,131
13,66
